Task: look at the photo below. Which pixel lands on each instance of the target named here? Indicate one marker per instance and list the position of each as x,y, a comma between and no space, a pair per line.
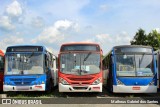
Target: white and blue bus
29,68
130,69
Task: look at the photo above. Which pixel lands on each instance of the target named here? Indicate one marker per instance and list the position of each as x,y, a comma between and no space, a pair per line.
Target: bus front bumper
40,87
80,88
134,89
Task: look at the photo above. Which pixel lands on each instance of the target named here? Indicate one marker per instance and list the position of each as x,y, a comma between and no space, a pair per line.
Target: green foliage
140,38
152,39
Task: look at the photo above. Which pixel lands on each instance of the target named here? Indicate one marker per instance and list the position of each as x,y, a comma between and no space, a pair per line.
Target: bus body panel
54,72
134,81
80,88
1,81
1,70
37,75
79,83
134,89
25,83
129,84
157,58
135,85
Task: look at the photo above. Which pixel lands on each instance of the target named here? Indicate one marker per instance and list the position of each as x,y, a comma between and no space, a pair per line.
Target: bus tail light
99,80
63,81
119,82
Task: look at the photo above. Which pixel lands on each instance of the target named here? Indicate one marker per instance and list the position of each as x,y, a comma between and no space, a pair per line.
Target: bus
80,68
29,68
130,69
157,57
1,69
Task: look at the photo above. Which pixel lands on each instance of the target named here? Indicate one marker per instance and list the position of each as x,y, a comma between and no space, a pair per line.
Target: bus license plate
136,88
22,88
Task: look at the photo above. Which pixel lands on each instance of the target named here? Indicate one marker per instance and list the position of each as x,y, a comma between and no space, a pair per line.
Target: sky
53,22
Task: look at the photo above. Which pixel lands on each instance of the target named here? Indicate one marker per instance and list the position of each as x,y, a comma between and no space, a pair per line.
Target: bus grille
80,79
22,81
80,88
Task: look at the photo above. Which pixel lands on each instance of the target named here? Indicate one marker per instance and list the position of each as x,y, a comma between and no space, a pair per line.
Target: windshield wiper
31,55
87,56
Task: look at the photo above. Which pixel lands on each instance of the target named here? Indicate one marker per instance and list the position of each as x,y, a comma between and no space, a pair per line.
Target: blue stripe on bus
23,80
130,81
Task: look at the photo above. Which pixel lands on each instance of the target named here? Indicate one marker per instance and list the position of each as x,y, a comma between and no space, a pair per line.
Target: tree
153,39
140,38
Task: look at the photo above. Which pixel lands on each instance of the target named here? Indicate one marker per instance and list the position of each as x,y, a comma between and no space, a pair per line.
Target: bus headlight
97,81
64,82
119,82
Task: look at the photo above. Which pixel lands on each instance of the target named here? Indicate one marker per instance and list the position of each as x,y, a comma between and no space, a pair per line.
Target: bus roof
126,46
79,43
24,46
129,46
44,48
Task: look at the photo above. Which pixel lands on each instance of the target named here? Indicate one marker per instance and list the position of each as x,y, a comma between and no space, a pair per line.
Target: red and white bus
80,67
1,69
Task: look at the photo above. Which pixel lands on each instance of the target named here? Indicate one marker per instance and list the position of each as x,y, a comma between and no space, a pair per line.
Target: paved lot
84,99
84,105
55,94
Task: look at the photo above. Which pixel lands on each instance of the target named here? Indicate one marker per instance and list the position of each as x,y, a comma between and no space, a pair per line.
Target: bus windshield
134,65
80,63
1,63
24,63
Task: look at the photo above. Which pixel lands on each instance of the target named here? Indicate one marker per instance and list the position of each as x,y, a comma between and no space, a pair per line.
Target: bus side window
46,61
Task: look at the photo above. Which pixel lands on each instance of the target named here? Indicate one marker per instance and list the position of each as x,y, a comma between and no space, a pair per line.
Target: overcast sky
53,22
